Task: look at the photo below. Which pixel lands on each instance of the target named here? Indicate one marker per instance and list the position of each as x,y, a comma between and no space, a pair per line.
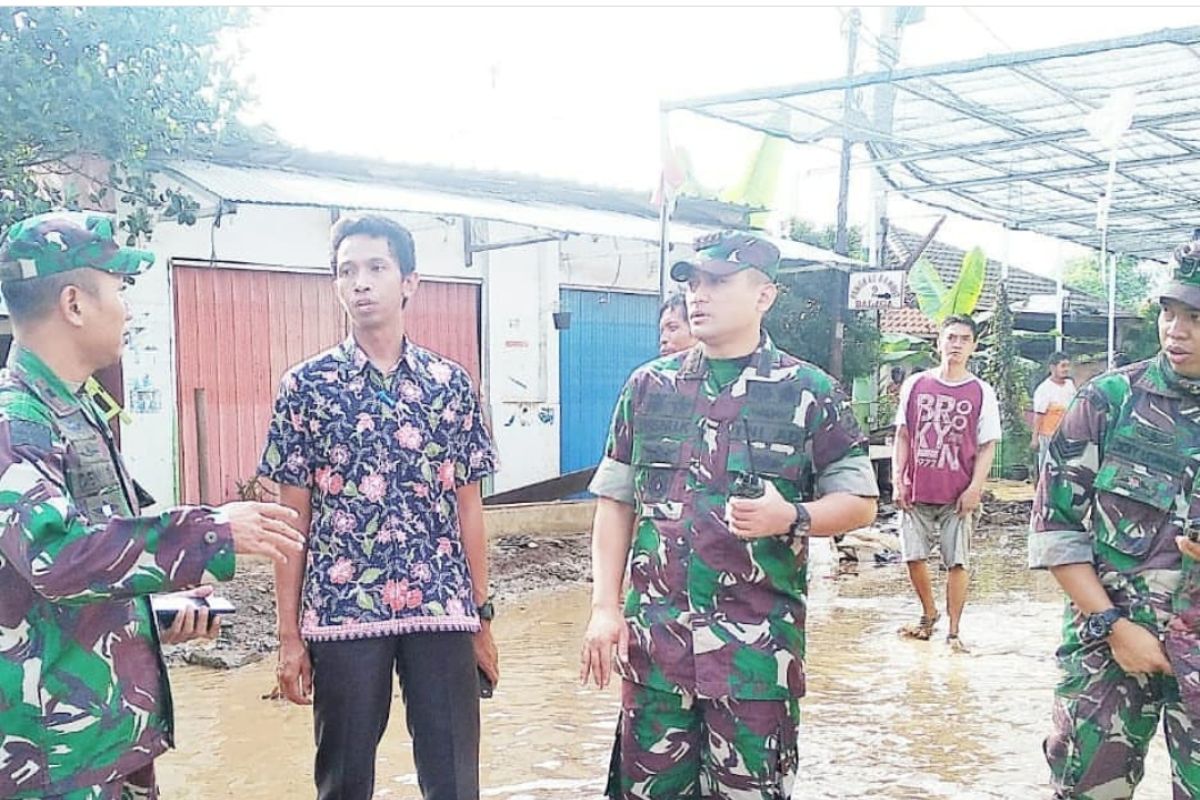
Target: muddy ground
520,564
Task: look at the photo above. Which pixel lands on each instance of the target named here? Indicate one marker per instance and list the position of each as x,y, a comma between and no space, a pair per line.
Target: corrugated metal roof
1006,138
278,187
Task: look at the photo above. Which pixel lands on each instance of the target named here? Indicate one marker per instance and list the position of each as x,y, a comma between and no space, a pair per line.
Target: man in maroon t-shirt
947,425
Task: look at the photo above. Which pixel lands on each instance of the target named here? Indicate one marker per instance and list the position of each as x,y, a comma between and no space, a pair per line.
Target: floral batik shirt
382,455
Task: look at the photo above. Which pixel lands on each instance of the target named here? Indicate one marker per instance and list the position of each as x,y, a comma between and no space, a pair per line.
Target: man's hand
264,529
606,630
1137,650
900,492
486,654
769,515
294,671
1188,547
192,623
969,500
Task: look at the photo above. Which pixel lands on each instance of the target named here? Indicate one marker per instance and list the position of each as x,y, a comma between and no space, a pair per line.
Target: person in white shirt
1050,401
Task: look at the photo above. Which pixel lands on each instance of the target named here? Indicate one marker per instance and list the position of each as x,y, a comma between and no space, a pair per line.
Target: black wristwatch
1097,627
487,611
803,521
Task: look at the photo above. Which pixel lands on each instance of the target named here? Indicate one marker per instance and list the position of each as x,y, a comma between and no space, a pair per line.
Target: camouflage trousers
139,785
1104,719
678,747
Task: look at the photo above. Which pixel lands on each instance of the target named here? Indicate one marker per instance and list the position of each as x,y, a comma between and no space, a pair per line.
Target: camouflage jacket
1118,487
709,613
84,697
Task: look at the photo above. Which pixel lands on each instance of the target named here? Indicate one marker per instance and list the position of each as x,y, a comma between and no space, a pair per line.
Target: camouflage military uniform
84,701
1118,487
717,623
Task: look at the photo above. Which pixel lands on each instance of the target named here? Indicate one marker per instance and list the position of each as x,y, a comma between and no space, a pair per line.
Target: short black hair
400,241
30,299
1056,357
960,319
674,302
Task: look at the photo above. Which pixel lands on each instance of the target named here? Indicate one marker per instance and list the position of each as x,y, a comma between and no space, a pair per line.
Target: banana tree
938,302
905,350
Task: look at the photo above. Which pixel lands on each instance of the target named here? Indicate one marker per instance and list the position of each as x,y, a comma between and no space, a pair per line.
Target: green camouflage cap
60,241
728,252
1185,279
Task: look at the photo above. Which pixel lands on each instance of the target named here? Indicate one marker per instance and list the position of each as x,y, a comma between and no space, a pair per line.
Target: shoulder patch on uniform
24,433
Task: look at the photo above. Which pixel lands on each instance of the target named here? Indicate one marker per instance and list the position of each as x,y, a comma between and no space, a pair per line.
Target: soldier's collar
355,359
1161,378
61,395
762,360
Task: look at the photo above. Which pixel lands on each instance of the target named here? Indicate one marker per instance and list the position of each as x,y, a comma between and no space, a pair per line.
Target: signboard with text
871,290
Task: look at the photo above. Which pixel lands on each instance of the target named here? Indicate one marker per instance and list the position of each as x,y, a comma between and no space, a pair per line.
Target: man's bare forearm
900,452
1082,585
612,534
983,464
474,538
289,577
840,512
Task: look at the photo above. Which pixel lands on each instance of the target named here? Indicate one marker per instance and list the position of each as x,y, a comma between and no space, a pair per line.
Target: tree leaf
964,295
928,288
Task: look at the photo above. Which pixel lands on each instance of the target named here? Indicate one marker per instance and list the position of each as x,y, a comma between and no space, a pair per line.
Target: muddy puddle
884,718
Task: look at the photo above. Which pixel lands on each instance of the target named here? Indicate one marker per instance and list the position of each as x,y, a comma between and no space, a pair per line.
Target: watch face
1096,627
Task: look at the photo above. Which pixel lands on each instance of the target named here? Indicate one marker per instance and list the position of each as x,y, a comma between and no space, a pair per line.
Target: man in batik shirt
380,445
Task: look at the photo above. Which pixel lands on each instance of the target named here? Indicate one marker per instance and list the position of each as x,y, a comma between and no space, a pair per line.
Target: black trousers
352,698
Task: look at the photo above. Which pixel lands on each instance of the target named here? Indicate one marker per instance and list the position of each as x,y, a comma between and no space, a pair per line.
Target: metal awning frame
993,137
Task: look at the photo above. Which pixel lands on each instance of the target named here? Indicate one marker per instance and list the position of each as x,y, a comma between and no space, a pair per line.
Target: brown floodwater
884,717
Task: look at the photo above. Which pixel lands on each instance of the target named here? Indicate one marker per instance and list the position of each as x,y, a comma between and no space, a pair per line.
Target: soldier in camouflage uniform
710,644
1115,501
84,702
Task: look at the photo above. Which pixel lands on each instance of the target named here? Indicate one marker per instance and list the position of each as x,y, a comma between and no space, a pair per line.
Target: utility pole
841,244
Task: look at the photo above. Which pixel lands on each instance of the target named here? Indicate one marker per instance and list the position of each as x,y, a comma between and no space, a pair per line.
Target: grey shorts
923,525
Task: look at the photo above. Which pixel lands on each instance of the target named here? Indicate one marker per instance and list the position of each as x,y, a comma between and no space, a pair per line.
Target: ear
768,293
71,301
409,287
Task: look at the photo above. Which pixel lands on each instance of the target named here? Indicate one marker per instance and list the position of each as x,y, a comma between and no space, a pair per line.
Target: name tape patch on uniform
23,433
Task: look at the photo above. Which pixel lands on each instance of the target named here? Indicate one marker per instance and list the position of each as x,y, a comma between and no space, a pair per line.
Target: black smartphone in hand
485,684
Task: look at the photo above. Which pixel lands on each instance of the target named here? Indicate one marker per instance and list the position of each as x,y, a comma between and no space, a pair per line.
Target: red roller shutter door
237,331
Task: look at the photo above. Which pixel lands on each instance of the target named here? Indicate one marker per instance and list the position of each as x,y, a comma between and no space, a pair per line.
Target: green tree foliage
935,300
1005,370
802,320
802,231
1133,285
122,84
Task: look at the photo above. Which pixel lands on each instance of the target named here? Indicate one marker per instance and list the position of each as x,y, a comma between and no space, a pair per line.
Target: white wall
521,353
604,262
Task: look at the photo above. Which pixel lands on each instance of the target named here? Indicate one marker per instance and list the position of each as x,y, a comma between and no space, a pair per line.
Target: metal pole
664,219
1112,267
841,243
664,246
1058,306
